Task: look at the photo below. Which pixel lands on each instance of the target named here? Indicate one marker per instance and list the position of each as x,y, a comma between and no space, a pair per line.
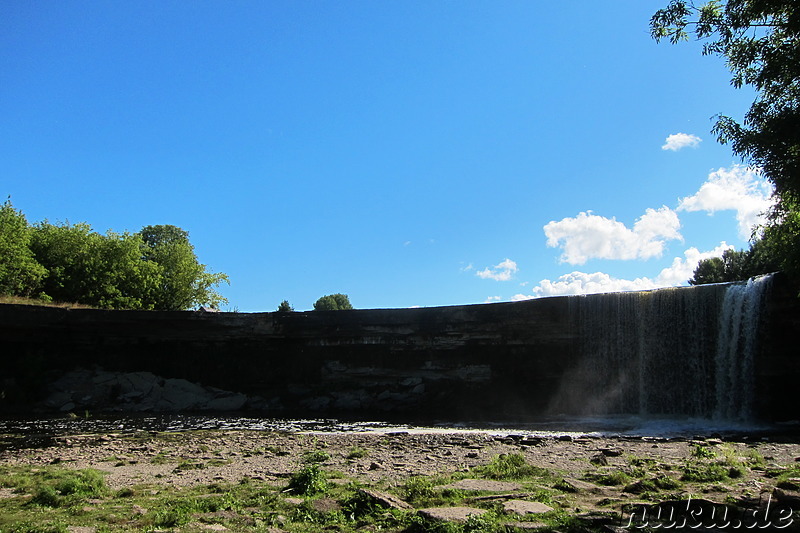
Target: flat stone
450,514
385,499
483,485
524,507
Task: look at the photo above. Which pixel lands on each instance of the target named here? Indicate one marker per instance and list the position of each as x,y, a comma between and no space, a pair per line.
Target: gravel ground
203,457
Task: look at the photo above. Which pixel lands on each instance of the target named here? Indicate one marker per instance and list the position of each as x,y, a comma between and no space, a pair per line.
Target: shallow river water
599,426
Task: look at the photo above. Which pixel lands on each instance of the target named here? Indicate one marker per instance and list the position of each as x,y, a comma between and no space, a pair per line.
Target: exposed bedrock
656,352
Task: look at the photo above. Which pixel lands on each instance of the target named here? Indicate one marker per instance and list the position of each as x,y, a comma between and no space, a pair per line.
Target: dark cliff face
495,361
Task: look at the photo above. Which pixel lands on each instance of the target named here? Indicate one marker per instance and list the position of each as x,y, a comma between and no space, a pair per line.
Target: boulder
182,395
229,402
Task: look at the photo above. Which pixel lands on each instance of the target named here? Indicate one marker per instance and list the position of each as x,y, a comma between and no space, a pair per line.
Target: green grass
316,456
510,467
357,452
703,452
52,498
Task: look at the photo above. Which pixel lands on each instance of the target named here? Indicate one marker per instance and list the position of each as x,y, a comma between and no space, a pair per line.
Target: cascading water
736,348
685,352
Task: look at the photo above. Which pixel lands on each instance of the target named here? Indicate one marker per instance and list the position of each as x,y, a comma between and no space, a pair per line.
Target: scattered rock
789,497
790,484
612,452
599,460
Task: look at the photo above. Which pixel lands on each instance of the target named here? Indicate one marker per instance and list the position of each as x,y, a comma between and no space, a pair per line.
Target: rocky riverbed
570,476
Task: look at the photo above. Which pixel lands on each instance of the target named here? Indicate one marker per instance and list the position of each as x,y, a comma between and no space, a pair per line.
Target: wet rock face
483,361
500,361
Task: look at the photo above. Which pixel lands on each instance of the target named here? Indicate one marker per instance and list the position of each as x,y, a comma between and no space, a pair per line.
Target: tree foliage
20,273
86,267
184,282
333,302
736,265
285,307
153,269
760,41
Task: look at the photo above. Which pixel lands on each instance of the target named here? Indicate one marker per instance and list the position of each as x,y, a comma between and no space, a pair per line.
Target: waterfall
738,331
685,351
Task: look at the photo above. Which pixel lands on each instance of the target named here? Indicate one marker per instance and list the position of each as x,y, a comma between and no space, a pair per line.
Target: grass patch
316,456
703,452
357,452
54,487
47,302
704,472
510,466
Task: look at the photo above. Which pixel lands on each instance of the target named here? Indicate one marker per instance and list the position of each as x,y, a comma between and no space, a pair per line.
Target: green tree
20,273
70,253
760,41
86,267
184,282
333,302
737,265
285,307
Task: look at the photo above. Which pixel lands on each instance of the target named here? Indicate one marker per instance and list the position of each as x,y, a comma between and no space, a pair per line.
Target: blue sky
404,153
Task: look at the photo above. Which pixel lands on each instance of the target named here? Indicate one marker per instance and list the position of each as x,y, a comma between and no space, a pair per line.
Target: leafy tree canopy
760,41
736,265
285,307
333,302
20,273
153,269
184,282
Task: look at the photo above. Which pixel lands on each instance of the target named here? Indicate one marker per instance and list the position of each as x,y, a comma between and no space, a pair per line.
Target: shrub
308,481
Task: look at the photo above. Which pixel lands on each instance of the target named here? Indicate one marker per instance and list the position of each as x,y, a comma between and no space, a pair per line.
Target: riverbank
579,482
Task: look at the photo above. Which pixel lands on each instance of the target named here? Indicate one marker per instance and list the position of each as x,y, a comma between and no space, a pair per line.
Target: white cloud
492,299
677,141
738,188
500,272
682,269
589,236
585,283
591,283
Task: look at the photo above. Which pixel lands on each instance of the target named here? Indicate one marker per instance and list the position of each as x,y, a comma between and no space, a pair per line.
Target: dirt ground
387,459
